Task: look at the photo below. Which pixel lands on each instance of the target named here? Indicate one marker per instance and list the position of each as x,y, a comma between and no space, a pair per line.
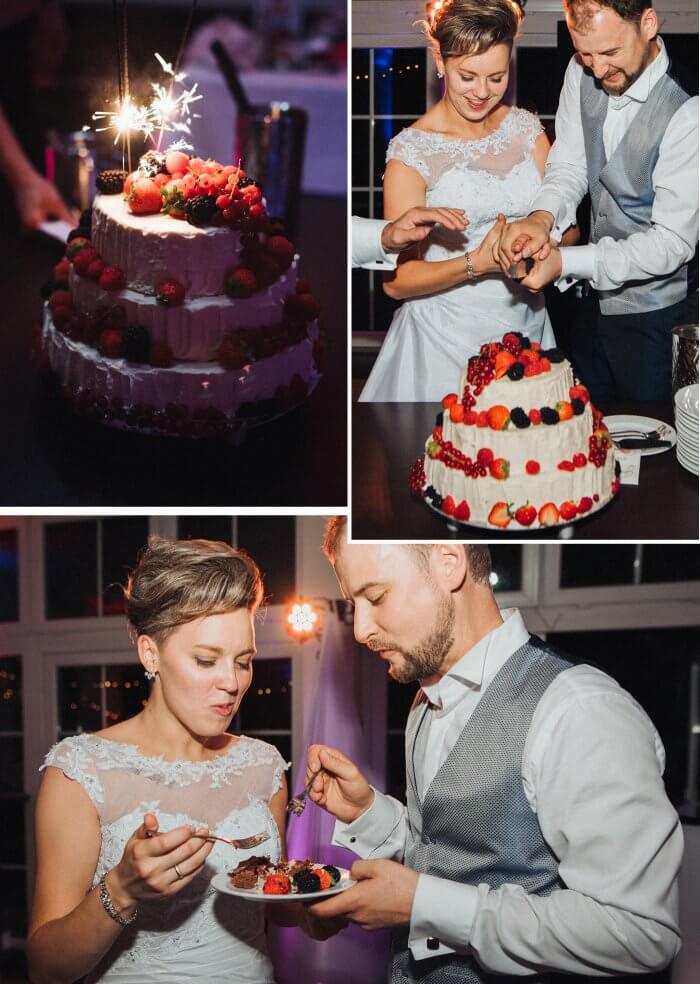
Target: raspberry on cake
498,458
207,285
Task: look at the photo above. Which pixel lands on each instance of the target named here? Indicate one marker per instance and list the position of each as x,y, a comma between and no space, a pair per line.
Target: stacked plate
688,427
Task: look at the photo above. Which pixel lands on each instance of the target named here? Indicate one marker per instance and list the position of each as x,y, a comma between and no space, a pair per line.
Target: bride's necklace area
493,121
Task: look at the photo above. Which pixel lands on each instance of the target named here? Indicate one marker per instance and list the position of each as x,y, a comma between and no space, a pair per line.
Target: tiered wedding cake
178,307
520,445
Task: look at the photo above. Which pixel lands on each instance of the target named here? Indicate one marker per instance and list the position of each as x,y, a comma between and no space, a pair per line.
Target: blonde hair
478,555
177,581
470,27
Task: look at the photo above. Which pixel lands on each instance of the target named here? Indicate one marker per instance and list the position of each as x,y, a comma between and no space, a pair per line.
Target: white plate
222,883
627,421
688,398
684,420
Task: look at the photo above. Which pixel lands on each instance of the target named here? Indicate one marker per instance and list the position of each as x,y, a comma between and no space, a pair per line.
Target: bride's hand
147,869
485,257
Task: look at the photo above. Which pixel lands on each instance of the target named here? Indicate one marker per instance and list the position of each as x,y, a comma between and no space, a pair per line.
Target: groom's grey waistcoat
475,824
622,193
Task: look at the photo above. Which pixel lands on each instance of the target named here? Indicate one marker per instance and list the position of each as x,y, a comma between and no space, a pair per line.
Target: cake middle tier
151,248
195,329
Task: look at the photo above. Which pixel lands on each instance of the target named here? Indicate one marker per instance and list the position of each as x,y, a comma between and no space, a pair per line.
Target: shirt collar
640,89
479,665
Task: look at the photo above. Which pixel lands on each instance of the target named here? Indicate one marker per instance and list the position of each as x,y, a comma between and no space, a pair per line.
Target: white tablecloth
324,97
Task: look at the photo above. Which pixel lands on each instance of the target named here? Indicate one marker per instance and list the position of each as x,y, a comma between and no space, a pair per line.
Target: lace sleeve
74,760
404,147
279,766
529,126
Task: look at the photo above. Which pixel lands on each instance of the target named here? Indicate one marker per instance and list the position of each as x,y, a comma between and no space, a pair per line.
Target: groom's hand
417,223
544,272
383,896
525,238
339,786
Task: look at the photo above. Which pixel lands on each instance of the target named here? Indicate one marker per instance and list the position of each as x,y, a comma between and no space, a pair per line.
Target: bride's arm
404,188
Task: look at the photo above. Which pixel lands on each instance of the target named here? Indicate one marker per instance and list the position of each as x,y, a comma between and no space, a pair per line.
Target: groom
537,835
628,133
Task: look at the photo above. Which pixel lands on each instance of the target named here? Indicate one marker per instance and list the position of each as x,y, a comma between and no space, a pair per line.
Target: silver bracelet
109,907
470,269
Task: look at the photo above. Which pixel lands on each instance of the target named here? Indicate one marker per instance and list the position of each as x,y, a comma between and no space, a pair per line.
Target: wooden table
388,437
52,458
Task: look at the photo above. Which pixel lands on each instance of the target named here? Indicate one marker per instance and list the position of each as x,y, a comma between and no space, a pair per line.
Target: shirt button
432,943
353,839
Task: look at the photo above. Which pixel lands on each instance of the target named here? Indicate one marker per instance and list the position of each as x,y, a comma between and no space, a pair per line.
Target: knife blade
640,444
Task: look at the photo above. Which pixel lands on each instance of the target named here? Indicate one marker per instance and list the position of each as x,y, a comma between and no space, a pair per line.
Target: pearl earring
439,75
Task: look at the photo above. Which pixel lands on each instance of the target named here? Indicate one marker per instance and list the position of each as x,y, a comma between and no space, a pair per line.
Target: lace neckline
133,753
458,141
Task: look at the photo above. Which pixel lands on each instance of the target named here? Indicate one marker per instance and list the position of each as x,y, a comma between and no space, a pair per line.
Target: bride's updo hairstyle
470,27
177,581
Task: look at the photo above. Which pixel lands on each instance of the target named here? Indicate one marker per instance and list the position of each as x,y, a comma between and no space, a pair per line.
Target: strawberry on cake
178,306
520,444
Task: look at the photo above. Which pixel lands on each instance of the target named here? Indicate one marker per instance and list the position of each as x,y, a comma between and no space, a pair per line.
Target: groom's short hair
580,12
478,555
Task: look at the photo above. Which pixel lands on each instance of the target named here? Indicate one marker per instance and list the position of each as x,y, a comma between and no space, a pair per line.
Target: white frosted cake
521,444
178,307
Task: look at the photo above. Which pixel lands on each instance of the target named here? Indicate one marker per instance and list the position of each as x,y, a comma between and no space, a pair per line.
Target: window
9,576
271,541
266,710
633,564
13,873
93,697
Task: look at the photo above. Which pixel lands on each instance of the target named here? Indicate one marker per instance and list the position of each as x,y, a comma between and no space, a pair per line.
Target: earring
439,75
150,675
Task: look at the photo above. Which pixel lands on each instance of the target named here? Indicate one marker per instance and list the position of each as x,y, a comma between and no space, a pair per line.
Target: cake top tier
115,209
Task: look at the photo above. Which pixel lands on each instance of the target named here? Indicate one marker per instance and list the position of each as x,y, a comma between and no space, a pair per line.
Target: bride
124,869
475,153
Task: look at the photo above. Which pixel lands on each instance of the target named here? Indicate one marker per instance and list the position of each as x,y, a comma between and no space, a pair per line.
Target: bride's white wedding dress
431,338
197,935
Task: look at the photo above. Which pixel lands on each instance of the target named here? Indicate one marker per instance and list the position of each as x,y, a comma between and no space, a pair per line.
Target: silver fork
240,843
642,435
297,804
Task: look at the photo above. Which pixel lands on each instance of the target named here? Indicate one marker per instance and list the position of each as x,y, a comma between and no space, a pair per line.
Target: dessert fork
297,804
240,843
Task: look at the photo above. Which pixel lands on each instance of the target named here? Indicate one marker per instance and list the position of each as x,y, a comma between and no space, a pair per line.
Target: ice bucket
270,144
684,364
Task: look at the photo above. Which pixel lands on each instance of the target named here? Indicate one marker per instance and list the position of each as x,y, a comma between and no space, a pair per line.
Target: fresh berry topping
245,182
615,487
170,293
144,197
232,354
566,465
580,460
240,283
457,413
554,355
585,505
526,515
485,456
532,467
548,515
579,392
449,506
482,419
498,417
565,410
512,343
525,341
111,343
301,307
470,417
176,161
75,245
60,298
549,415
323,877
307,881
278,884
449,400
568,510
266,270
499,468
304,286
528,357
500,515
516,371
152,163
462,512
534,368
596,497
95,269
112,278
47,289
137,343
83,260
520,418
200,210
578,406
161,355
545,365
503,362
62,269
111,182
535,416
416,479
281,251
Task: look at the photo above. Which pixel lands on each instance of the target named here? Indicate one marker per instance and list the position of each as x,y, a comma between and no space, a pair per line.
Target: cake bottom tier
482,494
167,399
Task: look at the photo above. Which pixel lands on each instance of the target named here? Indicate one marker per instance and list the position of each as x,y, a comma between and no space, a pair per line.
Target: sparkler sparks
165,112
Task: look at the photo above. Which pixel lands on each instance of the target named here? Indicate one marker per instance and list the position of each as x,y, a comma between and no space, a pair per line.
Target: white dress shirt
591,771
670,241
367,249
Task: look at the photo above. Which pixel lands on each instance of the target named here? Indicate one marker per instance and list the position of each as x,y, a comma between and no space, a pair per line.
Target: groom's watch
470,269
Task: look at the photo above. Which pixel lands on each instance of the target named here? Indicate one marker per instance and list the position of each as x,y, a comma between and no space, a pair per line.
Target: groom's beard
425,659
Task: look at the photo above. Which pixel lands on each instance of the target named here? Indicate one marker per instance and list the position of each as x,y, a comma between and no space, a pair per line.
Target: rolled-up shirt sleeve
380,832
